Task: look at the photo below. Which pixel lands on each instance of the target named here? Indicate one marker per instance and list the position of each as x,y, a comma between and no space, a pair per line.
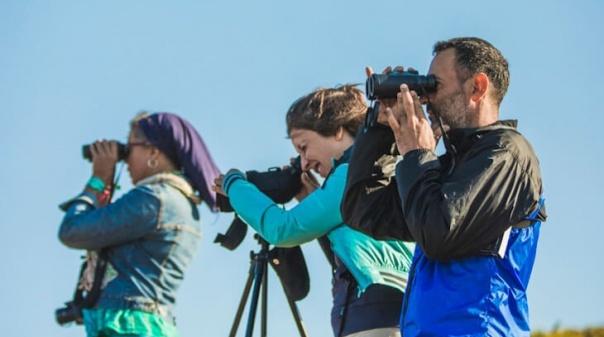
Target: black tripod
258,276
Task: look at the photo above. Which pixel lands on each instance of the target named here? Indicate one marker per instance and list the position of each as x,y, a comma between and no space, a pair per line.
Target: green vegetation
588,332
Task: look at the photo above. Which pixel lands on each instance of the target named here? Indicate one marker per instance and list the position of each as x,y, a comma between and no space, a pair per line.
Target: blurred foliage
588,332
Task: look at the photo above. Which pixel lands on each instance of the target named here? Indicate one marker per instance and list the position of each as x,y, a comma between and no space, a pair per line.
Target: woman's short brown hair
325,110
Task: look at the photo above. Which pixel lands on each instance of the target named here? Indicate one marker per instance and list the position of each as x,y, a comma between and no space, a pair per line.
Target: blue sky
75,71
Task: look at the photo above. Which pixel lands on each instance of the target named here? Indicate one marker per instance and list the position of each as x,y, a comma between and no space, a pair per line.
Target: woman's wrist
96,184
230,177
100,189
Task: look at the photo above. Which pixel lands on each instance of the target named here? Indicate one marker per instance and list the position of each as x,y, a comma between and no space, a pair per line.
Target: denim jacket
150,235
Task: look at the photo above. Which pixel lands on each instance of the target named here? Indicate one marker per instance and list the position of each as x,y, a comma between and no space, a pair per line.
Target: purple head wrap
180,142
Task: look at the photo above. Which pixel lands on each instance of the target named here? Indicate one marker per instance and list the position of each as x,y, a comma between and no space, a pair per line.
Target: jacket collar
174,179
343,159
463,137
336,162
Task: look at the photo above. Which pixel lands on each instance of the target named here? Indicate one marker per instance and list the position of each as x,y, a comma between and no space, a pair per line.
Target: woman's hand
104,158
309,185
217,187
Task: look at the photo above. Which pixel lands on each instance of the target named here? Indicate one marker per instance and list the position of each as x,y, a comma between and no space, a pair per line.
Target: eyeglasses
129,146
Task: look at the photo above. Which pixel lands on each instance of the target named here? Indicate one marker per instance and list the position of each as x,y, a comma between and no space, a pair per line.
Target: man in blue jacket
475,212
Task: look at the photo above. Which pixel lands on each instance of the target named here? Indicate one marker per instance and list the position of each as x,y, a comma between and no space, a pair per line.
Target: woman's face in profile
316,150
139,154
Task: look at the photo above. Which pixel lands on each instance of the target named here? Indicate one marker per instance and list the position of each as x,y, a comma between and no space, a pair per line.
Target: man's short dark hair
474,55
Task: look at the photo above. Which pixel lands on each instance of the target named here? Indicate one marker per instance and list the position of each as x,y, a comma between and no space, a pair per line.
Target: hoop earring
151,163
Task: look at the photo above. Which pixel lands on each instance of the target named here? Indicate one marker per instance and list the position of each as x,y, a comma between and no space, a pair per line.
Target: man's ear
480,85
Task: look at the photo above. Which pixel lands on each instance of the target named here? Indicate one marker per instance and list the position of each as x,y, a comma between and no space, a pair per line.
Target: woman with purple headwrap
149,236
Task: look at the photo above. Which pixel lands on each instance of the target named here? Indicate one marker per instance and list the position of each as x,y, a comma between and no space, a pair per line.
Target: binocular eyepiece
122,152
387,86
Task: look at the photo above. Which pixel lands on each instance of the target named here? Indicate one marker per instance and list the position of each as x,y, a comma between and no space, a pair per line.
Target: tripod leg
264,302
259,278
294,309
246,292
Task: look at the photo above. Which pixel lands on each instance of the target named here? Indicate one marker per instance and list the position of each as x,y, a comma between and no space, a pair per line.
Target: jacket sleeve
130,217
312,217
493,187
371,202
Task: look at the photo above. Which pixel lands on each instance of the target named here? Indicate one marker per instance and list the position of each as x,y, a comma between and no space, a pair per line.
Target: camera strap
86,299
371,115
92,295
99,274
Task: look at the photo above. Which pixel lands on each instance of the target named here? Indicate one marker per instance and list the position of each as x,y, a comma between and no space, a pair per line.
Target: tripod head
290,266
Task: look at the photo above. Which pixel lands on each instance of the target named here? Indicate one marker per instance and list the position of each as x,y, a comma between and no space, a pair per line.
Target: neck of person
485,115
163,166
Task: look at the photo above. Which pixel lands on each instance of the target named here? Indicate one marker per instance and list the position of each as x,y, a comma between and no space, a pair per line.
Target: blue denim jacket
151,235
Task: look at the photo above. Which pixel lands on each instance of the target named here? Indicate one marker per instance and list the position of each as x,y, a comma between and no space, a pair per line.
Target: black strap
88,300
326,248
343,312
351,282
99,274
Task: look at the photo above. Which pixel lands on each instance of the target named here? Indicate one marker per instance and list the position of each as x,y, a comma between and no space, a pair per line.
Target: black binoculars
380,86
122,152
387,86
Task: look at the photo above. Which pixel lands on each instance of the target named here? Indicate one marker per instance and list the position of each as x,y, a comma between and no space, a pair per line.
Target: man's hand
385,102
409,124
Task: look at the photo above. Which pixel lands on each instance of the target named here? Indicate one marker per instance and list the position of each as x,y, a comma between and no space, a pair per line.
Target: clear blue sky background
75,71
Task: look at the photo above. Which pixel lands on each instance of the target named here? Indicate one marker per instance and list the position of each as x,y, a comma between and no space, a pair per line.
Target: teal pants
119,335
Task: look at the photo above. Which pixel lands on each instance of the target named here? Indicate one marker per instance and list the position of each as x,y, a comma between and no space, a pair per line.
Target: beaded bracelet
96,184
105,195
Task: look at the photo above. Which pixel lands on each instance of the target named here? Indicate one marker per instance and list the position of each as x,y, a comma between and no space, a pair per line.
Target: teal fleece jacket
368,260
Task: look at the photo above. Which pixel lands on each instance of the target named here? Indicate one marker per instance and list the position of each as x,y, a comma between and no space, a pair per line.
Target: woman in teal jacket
370,276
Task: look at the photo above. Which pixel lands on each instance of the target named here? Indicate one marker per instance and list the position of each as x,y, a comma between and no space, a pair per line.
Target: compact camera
70,313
